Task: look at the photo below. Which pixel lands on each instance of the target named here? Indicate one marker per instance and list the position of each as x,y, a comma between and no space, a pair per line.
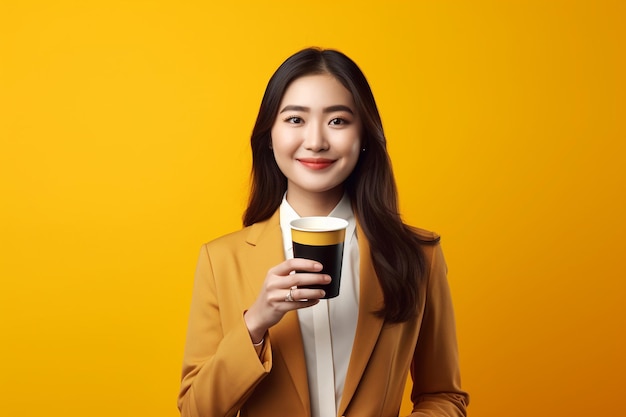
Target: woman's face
316,137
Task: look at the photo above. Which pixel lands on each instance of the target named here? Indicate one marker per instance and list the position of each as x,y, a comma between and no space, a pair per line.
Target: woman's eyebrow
338,107
330,109
294,108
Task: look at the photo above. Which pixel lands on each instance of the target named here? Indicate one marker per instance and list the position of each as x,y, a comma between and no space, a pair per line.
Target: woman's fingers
283,291
295,273
306,294
295,264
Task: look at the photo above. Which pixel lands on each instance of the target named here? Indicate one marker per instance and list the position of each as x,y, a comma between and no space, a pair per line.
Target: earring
363,150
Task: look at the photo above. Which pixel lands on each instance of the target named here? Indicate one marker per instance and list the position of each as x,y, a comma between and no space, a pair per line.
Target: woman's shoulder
425,236
234,237
429,244
249,234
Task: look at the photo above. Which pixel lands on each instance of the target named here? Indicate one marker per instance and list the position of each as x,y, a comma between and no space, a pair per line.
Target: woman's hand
272,303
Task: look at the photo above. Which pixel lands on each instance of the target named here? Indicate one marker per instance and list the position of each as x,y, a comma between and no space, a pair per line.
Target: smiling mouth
316,163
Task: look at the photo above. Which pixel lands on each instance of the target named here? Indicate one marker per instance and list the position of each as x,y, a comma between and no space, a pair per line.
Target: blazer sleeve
435,366
221,367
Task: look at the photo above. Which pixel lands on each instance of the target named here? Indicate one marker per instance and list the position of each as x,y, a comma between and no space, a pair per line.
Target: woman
260,344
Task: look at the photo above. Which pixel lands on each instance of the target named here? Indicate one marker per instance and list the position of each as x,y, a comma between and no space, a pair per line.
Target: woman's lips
316,163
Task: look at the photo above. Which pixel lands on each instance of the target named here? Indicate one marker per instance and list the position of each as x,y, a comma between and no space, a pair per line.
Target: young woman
259,344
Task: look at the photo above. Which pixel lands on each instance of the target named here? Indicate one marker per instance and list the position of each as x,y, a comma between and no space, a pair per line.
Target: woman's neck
314,204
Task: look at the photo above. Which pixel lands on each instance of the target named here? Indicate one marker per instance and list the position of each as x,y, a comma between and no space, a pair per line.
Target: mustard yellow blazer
223,374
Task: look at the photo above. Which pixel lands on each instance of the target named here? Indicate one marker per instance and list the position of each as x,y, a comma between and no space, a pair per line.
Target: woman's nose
315,139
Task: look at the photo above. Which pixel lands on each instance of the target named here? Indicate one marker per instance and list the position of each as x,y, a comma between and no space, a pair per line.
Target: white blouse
328,328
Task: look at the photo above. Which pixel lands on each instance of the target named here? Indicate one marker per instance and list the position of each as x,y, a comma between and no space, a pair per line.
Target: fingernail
322,293
327,278
317,266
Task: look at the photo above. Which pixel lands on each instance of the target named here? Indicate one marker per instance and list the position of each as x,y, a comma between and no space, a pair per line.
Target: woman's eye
294,120
337,121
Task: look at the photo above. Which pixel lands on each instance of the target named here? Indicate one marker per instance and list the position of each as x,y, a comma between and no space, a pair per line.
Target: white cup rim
318,224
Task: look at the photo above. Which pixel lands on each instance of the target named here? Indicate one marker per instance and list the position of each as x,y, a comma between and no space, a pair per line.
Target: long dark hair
395,248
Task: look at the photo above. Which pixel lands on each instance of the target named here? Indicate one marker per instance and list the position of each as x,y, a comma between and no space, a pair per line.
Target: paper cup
321,239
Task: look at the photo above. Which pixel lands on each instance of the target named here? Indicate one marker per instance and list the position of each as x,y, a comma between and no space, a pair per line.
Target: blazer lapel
285,337
369,325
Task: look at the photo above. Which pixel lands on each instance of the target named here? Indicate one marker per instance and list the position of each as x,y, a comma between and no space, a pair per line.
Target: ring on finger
289,296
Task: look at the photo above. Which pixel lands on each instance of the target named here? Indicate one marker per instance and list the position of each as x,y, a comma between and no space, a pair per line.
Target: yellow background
124,131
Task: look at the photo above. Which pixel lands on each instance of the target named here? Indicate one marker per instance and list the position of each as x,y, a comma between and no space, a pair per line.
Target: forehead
317,90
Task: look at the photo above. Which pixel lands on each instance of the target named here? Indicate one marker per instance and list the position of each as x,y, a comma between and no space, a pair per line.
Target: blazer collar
266,238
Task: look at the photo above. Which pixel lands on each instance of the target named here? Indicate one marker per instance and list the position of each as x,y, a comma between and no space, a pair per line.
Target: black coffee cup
321,239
